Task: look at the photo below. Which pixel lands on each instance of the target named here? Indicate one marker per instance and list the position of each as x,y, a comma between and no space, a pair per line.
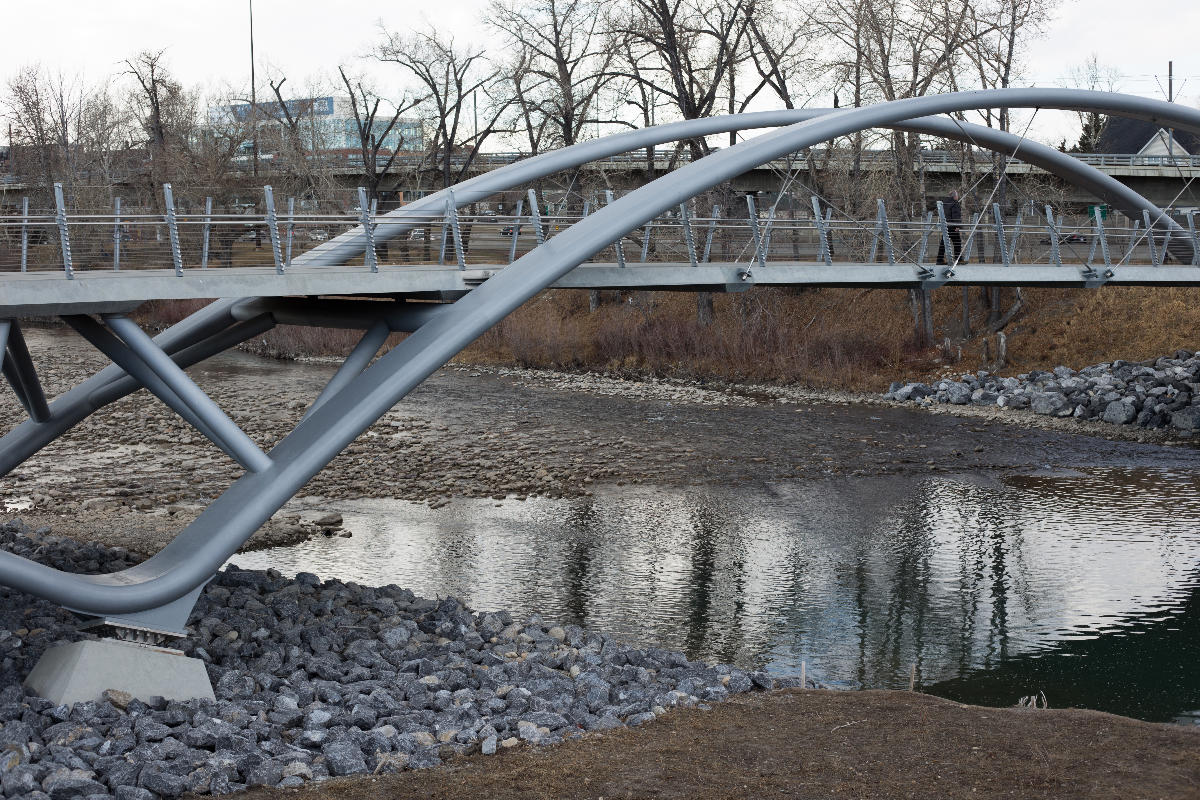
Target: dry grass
829,338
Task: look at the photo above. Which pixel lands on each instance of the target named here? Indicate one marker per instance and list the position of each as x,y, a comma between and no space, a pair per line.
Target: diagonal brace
204,416
140,374
19,370
354,364
243,447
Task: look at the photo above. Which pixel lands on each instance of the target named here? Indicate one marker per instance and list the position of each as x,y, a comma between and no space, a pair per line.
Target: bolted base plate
79,671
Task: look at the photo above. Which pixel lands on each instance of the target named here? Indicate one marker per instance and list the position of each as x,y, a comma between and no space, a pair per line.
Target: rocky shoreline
1162,394
321,678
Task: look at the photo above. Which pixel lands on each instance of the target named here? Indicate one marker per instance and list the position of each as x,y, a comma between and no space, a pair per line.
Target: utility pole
1170,99
254,122
253,100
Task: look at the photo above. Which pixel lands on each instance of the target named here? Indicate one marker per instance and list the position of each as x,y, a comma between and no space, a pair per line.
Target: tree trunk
704,308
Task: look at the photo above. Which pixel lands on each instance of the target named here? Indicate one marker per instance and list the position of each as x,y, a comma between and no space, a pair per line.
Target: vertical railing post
708,237
619,244
291,229
173,229
926,229
60,216
969,246
273,228
364,219
452,215
116,234
1055,252
1016,238
204,233
767,230
516,230
686,219
1001,241
1191,218
755,233
883,230
945,230
1103,237
1150,238
822,233
646,240
24,234
535,214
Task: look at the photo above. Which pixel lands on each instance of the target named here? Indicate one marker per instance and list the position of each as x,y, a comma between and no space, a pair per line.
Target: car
1067,238
318,235
417,234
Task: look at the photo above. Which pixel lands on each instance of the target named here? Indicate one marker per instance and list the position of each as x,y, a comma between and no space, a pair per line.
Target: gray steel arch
350,244
111,384
199,550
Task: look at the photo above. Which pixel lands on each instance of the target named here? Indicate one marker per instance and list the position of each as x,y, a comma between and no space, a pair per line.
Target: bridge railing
57,240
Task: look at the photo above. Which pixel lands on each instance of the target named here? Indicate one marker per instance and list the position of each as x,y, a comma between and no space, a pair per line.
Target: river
872,544
1066,567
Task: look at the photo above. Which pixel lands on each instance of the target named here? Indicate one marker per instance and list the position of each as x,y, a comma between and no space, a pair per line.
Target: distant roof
1125,135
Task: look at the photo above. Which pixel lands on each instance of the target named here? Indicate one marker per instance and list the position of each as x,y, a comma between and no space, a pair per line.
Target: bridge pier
82,671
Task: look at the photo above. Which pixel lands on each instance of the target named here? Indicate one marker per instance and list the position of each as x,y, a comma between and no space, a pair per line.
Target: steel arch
198,551
111,383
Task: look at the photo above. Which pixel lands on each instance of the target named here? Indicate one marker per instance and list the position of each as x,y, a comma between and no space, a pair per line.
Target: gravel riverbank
316,679
133,474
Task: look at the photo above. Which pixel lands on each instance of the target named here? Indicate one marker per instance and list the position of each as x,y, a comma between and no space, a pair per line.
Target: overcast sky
207,43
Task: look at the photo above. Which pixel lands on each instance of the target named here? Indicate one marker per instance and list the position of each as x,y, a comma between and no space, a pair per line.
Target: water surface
1078,584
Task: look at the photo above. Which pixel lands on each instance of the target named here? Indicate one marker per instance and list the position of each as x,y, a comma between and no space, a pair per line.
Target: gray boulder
1119,413
958,394
1053,404
344,758
1186,419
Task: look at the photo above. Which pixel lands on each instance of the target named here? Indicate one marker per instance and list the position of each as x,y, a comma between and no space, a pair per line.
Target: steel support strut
197,552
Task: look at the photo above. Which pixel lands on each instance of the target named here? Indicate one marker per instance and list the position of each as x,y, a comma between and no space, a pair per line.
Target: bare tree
166,114
1094,76
449,77
686,51
44,114
373,130
302,143
564,59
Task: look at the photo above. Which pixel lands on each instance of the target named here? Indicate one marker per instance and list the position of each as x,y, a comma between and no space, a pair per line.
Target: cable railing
67,243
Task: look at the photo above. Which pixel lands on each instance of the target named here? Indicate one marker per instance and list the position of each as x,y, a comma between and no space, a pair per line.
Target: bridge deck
50,293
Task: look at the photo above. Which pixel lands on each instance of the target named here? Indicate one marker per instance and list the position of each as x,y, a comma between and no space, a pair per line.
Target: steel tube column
106,386
225,431
354,364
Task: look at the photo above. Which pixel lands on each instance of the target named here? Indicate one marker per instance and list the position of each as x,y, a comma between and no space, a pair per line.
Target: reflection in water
1083,585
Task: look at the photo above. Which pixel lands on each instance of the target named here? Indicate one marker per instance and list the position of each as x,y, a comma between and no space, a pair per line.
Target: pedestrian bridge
446,279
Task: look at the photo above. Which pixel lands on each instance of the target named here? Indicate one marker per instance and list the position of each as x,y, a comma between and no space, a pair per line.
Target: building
329,121
1134,136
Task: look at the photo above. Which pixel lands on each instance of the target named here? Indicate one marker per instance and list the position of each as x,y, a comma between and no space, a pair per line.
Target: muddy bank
826,744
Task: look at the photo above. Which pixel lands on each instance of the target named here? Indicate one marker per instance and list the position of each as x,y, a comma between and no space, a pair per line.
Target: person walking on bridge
953,211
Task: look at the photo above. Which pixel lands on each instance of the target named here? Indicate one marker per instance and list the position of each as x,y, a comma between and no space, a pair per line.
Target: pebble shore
1159,394
321,678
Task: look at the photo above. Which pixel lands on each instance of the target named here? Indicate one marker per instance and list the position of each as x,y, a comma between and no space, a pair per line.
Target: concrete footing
79,671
